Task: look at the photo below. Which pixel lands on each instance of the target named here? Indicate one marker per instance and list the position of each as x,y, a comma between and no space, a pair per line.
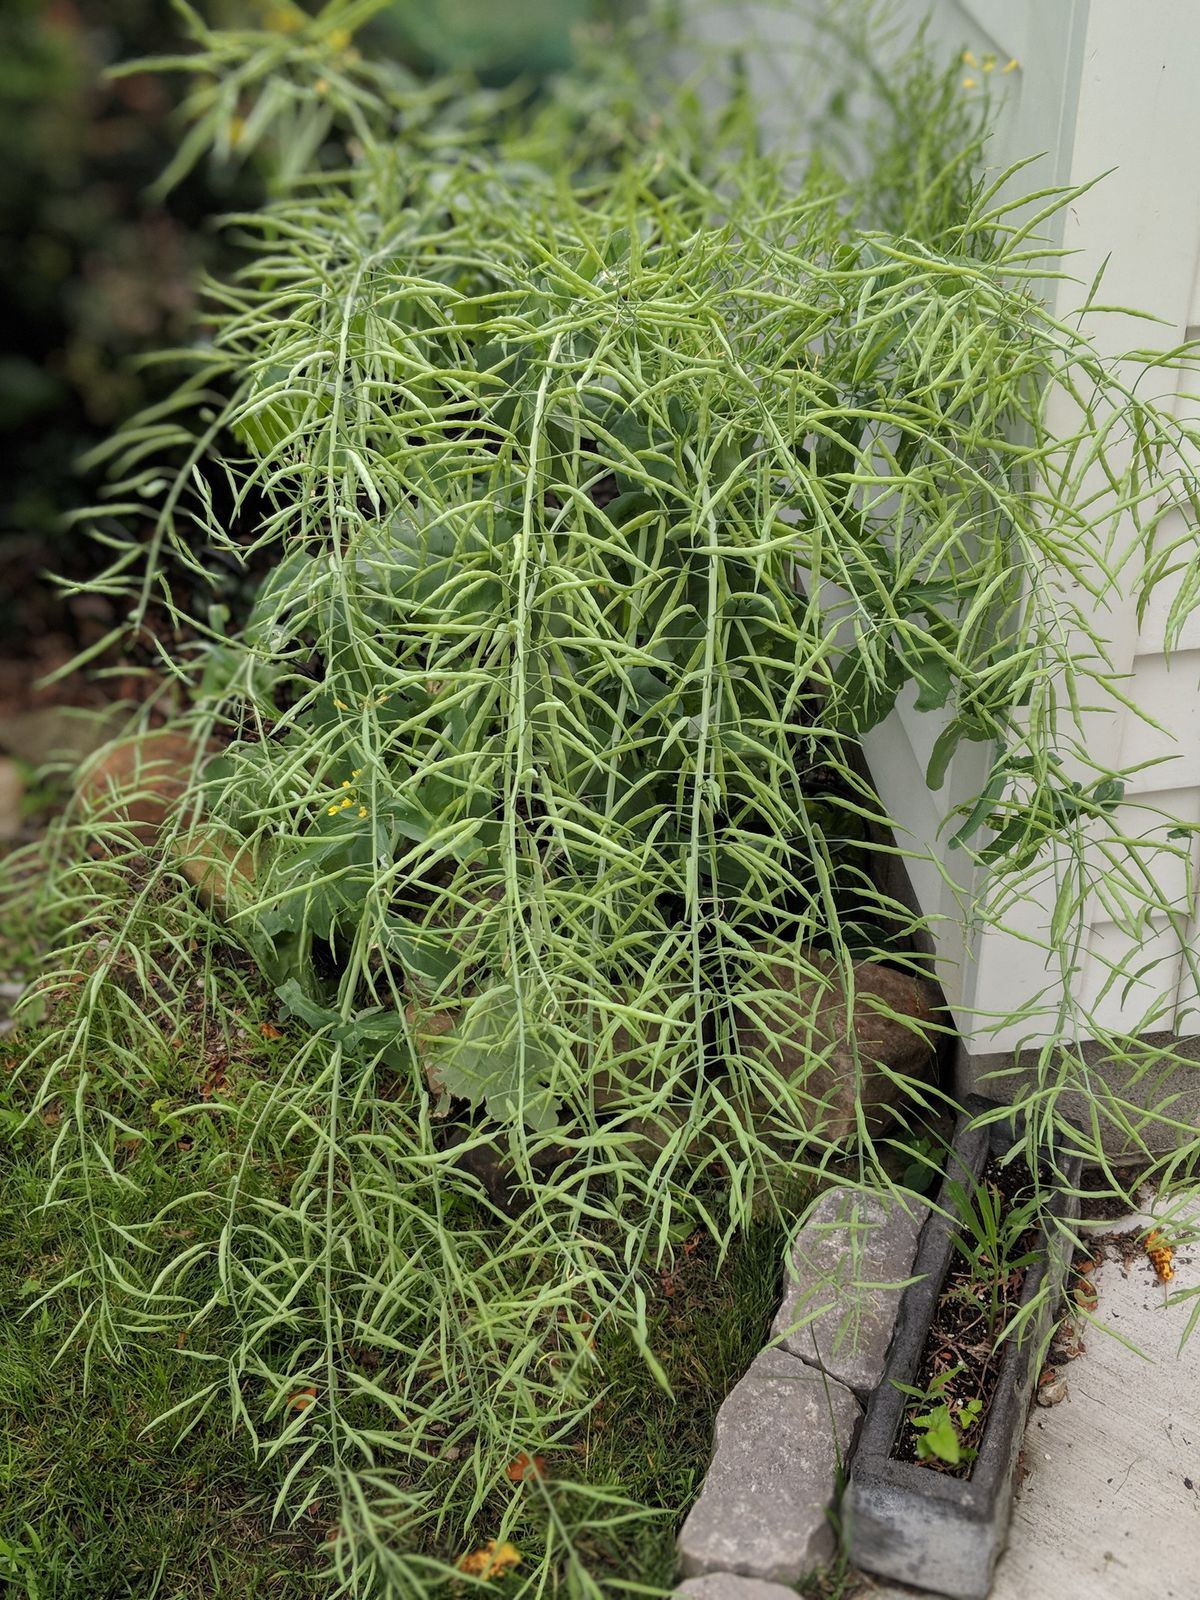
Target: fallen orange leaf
302,1400
524,1467
269,1031
491,1561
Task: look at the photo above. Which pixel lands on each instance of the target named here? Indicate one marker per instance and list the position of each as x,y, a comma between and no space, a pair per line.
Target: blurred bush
95,272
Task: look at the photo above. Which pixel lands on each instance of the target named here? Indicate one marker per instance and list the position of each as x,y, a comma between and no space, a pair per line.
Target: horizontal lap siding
1121,99
1094,90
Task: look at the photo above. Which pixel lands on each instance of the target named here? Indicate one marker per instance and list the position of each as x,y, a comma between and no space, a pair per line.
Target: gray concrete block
1166,1077
905,1521
728,1586
836,1299
780,1436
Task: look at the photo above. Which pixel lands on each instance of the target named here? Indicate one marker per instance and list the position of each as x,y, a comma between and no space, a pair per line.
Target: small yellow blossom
356,772
345,783
969,59
1011,67
339,38
970,83
332,812
340,704
346,802
284,19
989,64
362,811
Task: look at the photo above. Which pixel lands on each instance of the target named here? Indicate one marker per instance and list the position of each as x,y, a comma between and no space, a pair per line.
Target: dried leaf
525,1467
490,1561
302,1400
269,1031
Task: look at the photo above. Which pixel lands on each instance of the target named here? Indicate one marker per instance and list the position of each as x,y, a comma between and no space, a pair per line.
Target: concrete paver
1110,1509
842,1289
763,1511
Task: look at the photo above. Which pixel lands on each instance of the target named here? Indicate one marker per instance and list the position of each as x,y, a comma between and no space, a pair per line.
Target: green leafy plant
997,1237
616,481
944,1422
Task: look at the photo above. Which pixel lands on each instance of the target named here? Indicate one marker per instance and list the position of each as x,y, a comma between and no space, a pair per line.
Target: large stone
219,864
139,781
728,1586
12,794
835,1058
58,733
783,1433
844,1281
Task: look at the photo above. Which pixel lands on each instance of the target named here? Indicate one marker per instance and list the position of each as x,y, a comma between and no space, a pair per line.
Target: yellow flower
492,1560
339,38
346,802
284,19
1011,67
332,812
969,59
345,783
356,772
969,83
362,811
340,704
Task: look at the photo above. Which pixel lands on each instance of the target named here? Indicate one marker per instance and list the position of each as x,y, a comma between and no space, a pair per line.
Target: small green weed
944,1421
992,1234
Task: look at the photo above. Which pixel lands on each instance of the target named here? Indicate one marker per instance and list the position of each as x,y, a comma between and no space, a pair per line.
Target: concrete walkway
1110,1506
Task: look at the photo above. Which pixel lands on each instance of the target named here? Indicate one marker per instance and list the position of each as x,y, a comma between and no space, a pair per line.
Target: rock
65,733
12,793
142,782
835,1295
797,1011
1053,1391
728,1586
782,1434
219,863
139,780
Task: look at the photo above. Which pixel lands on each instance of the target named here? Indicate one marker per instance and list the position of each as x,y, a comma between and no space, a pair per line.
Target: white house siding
1100,86
1128,95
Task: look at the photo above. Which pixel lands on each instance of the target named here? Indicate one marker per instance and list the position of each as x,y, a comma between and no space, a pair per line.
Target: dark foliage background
96,273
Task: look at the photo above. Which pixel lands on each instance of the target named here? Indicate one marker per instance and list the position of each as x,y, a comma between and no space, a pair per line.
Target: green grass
709,1320
96,1500
99,1498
